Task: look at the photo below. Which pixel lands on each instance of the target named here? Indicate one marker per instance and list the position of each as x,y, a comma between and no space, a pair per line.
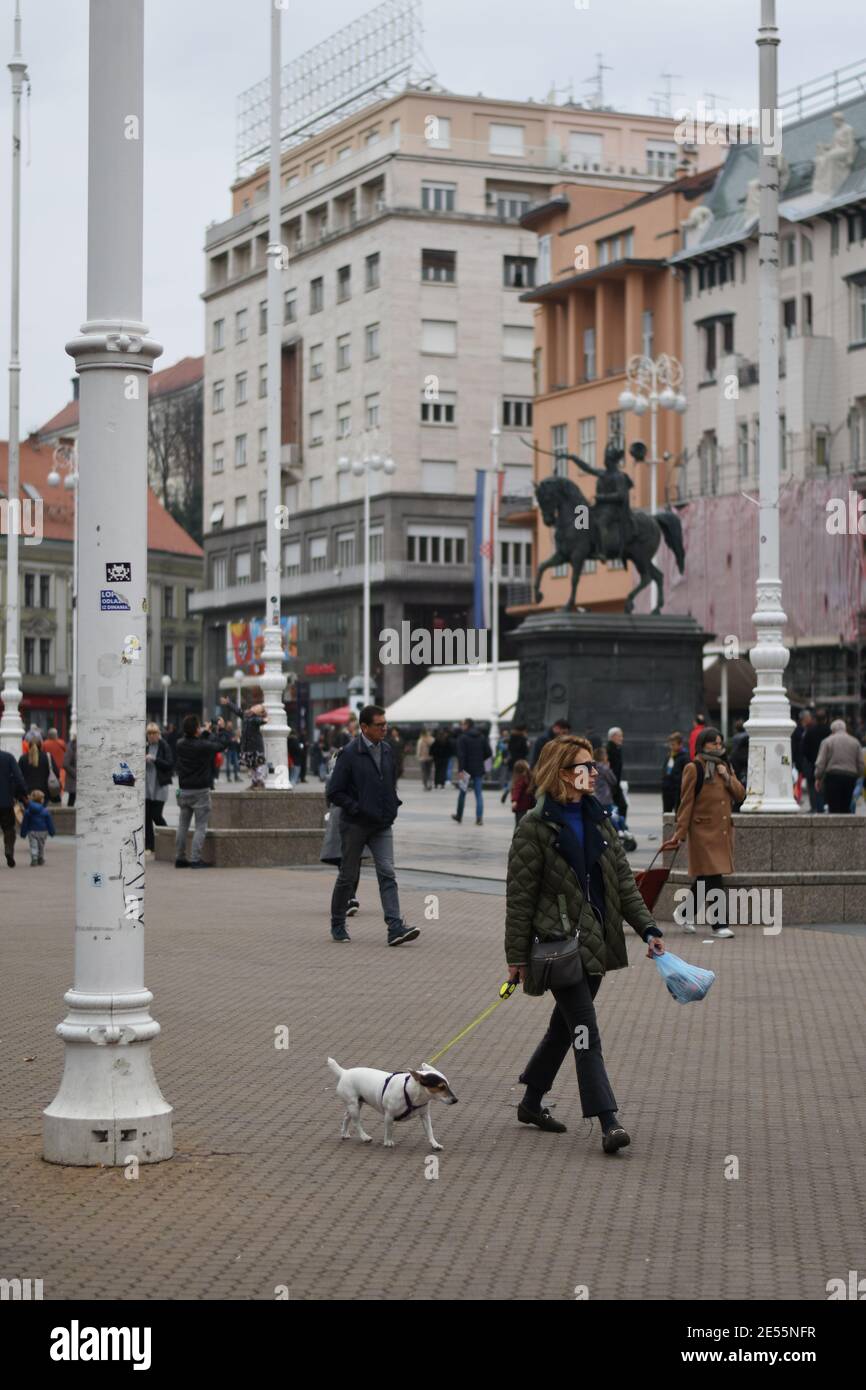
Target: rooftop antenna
663,101
597,99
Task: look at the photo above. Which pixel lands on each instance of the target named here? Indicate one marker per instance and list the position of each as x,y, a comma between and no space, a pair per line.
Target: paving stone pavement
262,1193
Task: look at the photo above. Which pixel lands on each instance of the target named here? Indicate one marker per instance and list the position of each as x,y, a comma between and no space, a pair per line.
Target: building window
217,457
189,664
240,511
168,659
708,452
506,140
646,332
45,591
615,428
439,337
317,295
743,448
344,352
345,152
217,512
263,316
371,271
241,388
559,448
662,157
789,251
515,557
438,197
263,380
218,396
511,205
372,137
29,656
858,311
290,307
822,450
318,553
344,283
263,504
436,545
437,132
807,315
586,434
517,342
219,572
219,332
438,476
542,266
783,444
240,451
516,413
789,318
188,595
371,341
168,601
242,567
315,493
30,591
708,354
728,336
857,431
344,420
590,371
585,149
241,326
442,411
371,404
377,545
292,559
518,272
263,444
318,167
345,549
317,361
615,248
317,426
439,267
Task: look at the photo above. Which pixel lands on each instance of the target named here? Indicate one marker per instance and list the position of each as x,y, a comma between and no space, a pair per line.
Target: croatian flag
485,500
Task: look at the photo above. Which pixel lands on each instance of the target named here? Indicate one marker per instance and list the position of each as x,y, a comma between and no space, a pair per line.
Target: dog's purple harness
409,1106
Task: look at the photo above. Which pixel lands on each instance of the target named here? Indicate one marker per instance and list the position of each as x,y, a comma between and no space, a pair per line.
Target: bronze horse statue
579,537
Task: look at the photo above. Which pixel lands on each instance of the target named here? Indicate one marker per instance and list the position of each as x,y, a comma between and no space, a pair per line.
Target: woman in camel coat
706,819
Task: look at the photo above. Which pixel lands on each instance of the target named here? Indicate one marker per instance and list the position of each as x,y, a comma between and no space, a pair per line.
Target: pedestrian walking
606,784
838,768
556,730
425,758
158,771
398,748
569,876
196,762
37,824
332,846
672,772
739,752
522,799
364,786
70,764
696,730
233,753
38,768
814,736
615,740
293,747
705,818
518,751
252,744
442,752
13,788
55,747
473,750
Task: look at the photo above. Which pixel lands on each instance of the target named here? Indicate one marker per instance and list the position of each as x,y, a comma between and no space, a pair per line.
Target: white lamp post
276,731
769,725
165,682
645,376
239,683
109,1108
361,468
494,578
11,726
66,456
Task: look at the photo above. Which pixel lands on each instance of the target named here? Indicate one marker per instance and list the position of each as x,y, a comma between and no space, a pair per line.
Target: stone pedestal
817,864
266,829
642,671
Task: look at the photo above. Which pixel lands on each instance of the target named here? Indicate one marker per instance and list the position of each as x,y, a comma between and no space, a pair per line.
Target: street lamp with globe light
645,376
165,682
361,467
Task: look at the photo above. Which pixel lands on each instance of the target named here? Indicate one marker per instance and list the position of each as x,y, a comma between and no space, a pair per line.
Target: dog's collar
409,1106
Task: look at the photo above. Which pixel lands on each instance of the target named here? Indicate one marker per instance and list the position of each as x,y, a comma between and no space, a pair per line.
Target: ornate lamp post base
770,784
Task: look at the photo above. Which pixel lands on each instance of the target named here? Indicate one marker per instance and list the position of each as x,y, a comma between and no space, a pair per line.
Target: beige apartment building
405,333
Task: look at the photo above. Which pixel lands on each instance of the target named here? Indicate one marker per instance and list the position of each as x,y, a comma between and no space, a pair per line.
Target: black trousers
153,815
9,825
838,789
574,1011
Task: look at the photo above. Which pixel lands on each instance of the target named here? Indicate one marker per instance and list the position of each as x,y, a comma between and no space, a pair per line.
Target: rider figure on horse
612,512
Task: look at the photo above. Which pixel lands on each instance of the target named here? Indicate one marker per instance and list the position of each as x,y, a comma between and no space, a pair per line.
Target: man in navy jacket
364,786
12,788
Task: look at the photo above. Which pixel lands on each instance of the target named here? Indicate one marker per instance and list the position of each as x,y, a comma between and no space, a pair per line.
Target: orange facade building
604,293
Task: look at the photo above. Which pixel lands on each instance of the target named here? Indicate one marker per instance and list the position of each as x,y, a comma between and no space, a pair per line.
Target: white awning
452,693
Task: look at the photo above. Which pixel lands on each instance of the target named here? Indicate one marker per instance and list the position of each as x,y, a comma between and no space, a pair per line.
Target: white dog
396,1095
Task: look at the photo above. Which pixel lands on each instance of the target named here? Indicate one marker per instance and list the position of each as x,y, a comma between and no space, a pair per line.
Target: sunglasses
590,766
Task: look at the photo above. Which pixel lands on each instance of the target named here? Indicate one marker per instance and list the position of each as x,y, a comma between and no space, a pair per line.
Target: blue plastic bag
687,983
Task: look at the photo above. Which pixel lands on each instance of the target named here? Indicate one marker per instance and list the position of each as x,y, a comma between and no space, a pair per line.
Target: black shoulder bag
556,964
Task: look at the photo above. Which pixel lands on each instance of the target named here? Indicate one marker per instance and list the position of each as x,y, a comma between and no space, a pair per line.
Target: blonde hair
520,769
37,795
548,775
33,752
152,728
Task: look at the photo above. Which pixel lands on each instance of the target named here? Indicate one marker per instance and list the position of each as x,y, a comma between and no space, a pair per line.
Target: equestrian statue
608,529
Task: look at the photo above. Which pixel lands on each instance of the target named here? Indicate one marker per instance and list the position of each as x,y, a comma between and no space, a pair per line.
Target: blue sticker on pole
110,602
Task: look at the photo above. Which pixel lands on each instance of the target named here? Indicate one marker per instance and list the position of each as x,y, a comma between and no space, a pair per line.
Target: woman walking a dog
568,877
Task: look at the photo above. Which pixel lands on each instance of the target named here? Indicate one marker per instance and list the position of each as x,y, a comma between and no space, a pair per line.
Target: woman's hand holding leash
517,972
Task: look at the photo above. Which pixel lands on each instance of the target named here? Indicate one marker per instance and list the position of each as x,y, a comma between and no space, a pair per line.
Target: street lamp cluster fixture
653,382
362,466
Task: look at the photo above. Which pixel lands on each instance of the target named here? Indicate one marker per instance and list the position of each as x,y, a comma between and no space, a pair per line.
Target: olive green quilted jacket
544,898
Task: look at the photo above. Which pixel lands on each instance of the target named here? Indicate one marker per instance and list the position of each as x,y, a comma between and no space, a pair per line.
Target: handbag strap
656,855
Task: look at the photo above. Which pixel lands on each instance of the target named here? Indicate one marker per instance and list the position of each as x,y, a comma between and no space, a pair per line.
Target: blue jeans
476,783
233,762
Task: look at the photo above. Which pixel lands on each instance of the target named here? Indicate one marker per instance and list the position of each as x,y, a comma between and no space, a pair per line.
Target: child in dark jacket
36,825
522,799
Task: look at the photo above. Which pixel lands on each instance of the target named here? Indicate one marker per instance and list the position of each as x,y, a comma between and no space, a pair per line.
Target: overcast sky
200,54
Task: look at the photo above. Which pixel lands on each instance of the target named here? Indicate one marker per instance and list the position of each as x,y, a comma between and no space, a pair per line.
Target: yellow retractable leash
505,992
